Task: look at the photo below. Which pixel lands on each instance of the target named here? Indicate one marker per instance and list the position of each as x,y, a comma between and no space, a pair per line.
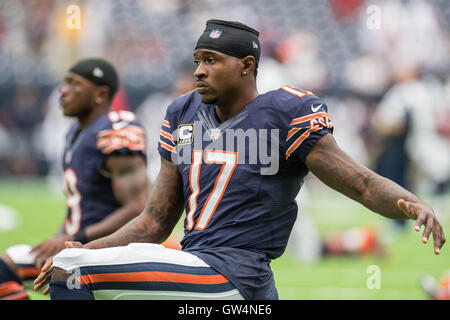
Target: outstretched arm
340,172
158,219
154,224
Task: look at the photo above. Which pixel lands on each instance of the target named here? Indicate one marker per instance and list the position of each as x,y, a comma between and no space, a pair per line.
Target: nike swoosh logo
316,108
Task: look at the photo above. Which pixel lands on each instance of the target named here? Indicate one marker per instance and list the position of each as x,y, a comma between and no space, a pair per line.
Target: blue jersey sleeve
168,133
166,144
309,123
123,134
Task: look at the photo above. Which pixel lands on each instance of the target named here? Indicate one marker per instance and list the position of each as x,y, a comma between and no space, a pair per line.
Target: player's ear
248,65
101,94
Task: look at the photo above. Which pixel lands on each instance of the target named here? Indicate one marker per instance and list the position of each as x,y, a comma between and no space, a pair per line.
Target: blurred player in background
437,290
239,213
417,103
104,178
309,246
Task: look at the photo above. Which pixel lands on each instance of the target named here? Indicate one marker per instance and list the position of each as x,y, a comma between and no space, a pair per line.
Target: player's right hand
423,214
46,272
48,248
44,277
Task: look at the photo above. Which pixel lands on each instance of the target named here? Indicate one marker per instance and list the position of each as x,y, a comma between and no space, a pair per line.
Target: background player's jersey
241,178
86,184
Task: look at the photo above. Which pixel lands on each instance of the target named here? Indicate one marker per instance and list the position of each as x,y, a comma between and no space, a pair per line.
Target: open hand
46,272
44,277
424,215
48,248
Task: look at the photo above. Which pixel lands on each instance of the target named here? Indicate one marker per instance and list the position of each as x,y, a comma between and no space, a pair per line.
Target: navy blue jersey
241,178
87,185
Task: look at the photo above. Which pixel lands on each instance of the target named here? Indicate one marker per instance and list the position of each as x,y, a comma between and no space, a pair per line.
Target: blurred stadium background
382,67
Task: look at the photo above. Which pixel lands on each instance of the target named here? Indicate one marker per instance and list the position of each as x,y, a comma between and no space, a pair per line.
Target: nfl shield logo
215,133
215,34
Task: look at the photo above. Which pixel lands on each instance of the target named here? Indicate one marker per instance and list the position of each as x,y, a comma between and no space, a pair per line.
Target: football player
235,160
104,176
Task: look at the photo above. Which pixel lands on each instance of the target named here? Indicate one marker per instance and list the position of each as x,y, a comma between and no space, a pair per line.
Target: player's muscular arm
154,224
131,188
340,172
337,170
160,216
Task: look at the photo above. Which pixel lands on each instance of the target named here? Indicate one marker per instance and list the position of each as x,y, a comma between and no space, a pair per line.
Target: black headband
231,38
98,71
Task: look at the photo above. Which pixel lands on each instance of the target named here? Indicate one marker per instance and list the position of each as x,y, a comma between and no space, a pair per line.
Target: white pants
143,271
22,258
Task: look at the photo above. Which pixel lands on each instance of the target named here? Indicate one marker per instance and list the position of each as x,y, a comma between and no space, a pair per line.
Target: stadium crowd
381,66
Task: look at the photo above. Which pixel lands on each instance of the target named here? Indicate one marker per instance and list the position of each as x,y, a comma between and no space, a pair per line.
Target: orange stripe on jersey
9,288
292,132
166,146
131,137
28,272
308,117
153,276
166,135
166,123
18,296
296,91
300,90
130,146
299,140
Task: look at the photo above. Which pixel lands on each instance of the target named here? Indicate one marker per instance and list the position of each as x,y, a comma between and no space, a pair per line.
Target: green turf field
41,209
